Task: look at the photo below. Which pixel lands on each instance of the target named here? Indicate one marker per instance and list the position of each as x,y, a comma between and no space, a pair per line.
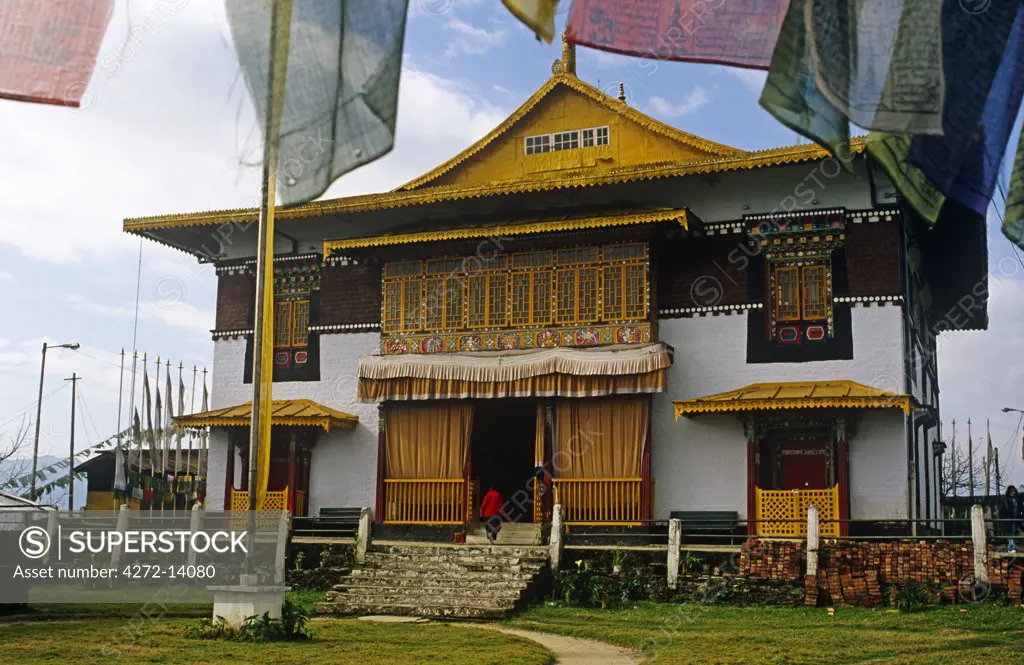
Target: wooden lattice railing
599,500
428,501
790,508
271,500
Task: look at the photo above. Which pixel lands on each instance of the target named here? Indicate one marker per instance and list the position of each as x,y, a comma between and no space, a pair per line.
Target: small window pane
814,301
787,294
602,135
283,323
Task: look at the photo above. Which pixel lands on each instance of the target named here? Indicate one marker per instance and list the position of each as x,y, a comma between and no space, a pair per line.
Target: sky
166,126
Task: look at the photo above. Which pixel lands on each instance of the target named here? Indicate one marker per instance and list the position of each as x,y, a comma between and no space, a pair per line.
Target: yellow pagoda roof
616,106
568,223
294,412
450,193
841,394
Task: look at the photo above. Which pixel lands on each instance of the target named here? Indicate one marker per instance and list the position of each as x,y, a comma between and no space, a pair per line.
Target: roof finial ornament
568,56
622,92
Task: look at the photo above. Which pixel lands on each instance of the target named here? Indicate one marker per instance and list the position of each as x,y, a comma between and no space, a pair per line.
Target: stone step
428,564
448,588
462,550
403,596
511,534
433,582
433,611
413,575
424,599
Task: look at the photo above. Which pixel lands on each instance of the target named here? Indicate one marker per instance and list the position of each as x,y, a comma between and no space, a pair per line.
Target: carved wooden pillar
229,479
292,444
752,464
381,464
843,474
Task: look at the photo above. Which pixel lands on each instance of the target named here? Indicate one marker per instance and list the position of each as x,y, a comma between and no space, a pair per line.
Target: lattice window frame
537,288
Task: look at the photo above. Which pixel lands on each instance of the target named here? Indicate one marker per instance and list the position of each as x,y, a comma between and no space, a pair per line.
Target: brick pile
856,572
780,561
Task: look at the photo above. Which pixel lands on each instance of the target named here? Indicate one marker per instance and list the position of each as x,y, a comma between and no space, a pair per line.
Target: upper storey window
568,140
580,285
798,251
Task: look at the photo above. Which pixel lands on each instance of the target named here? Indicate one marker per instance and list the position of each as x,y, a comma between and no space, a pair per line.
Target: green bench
707,522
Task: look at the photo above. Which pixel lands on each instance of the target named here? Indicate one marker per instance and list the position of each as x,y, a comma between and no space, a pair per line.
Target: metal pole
970,457
120,393
71,459
999,489
280,29
39,413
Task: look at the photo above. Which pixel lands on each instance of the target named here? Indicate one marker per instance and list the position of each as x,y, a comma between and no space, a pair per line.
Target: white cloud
471,39
7,277
752,79
695,100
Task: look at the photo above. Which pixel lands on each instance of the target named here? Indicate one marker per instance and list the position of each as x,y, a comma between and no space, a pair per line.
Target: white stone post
364,534
557,540
194,524
122,526
51,531
282,547
979,537
812,540
675,533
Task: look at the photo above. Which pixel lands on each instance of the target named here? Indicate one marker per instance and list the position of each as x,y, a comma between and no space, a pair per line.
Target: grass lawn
109,634
672,634
341,642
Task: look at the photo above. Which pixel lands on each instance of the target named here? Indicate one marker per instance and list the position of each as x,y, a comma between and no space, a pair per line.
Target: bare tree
956,471
11,445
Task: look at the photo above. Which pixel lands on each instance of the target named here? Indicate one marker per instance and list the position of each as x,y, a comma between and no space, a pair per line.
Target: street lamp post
1008,409
39,411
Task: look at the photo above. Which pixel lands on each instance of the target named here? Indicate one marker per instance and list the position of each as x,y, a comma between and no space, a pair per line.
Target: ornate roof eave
678,215
858,396
287,412
615,105
449,193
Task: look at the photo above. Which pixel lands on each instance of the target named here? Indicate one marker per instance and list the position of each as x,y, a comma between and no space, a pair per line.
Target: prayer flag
341,92
538,15
48,48
741,33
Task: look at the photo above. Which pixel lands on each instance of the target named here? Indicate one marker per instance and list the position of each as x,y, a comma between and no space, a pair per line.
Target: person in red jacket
490,512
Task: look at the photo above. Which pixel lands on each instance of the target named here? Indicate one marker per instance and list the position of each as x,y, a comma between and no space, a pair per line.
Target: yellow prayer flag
538,15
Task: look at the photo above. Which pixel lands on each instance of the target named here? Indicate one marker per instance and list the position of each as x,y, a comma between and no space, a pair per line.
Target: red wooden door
803,466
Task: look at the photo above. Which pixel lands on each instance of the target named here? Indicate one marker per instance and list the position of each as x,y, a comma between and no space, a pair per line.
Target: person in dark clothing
490,512
1011,508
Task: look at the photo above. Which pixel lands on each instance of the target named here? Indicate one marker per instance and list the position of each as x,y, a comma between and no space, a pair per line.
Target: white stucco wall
343,471
700,463
878,466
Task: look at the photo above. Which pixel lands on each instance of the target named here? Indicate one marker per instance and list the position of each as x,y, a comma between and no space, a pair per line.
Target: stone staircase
441,581
511,534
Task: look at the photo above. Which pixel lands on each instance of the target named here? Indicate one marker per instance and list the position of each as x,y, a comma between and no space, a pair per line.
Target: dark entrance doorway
502,446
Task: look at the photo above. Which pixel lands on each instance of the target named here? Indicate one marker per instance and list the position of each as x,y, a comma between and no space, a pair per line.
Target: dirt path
575,651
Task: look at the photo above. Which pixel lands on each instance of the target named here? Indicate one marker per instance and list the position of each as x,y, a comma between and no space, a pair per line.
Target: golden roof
589,91
841,394
678,215
582,178
295,412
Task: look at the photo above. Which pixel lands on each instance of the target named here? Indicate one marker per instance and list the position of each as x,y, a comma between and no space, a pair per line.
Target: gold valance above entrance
559,372
291,412
841,394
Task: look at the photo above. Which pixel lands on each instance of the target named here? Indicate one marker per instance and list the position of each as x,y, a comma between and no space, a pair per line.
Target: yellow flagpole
263,333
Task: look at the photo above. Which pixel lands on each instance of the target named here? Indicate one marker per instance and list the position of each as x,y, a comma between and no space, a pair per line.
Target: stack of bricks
850,587
811,590
1014,582
780,561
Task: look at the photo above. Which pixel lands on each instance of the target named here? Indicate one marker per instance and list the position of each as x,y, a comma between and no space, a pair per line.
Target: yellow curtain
538,442
427,441
600,438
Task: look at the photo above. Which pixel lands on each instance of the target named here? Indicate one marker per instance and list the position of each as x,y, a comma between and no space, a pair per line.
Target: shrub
912,597
291,626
